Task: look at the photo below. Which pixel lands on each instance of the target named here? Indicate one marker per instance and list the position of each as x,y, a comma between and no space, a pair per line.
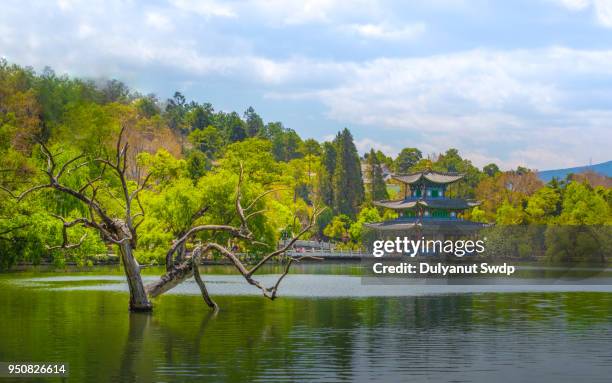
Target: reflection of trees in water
250,340
246,343
134,350
146,339
199,342
575,310
292,337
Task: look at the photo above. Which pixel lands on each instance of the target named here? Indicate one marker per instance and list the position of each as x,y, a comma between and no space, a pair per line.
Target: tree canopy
194,154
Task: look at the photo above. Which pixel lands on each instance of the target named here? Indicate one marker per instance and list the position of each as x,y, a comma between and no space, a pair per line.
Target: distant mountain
604,168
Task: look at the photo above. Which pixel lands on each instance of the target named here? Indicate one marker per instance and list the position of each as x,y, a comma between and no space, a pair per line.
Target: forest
175,164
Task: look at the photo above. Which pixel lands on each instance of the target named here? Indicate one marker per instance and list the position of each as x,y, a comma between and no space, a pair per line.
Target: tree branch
65,225
176,273
65,166
287,246
274,289
234,231
10,230
197,252
141,187
21,196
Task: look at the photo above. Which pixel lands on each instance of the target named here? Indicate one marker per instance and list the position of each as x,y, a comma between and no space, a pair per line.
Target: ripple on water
413,333
299,285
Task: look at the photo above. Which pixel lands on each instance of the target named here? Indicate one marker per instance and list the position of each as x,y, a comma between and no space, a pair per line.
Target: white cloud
297,12
603,12
309,11
574,5
85,31
504,106
281,12
365,144
207,8
478,101
384,31
602,9
65,4
158,21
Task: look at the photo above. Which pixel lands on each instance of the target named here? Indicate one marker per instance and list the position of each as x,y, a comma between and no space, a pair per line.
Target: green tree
385,160
424,164
147,106
172,211
310,147
542,205
254,123
366,215
507,214
338,228
326,173
490,170
406,159
584,206
323,220
54,93
176,108
578,243
208,140
286,143
478,215
235,127
451,161
255,157
198,164
377,185
199,116
347,180
114,91
85,187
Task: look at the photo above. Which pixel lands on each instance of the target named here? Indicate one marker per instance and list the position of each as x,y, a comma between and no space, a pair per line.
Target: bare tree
122,230
178,272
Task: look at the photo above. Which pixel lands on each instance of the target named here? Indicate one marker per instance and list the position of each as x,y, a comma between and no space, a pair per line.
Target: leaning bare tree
122,230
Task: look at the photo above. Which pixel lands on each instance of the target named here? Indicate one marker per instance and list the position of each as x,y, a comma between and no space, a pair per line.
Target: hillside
604,168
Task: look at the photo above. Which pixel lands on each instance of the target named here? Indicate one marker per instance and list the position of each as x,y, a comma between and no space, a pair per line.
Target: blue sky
512,82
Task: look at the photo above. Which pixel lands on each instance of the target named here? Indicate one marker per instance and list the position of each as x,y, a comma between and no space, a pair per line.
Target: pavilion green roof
435,226
443,203
430,175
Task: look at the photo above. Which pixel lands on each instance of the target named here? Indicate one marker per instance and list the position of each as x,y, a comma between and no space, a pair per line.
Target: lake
326,326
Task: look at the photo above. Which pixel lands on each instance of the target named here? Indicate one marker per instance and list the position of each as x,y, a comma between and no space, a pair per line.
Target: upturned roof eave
431,176
452,204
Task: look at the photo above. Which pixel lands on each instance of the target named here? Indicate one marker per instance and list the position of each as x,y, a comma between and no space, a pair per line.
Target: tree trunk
138,296
170,280
181,253
209,302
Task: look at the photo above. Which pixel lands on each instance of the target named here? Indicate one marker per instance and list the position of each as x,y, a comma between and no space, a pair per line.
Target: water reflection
482,337
310,285
138,330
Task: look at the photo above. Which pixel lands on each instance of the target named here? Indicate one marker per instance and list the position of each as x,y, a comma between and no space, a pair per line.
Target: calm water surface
326,327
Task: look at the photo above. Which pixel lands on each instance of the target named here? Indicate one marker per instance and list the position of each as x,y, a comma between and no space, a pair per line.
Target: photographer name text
440,269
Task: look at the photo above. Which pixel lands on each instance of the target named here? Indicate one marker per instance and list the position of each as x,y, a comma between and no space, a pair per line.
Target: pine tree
254,123
326,172
377,186
347,180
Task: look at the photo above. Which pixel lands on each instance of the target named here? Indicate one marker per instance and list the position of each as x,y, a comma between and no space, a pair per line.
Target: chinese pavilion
427,205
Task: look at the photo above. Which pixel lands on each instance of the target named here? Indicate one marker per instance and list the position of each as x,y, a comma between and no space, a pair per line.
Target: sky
511,82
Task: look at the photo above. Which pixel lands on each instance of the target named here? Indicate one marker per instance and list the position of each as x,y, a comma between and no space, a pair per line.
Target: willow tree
120,226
